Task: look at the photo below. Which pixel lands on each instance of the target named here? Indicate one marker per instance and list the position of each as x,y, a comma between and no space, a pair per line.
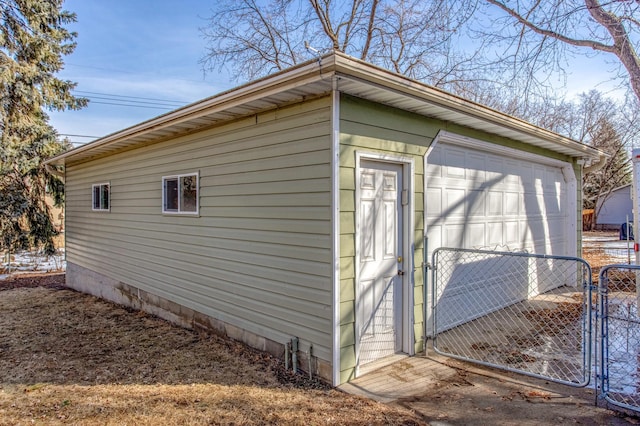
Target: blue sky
141,49
148,51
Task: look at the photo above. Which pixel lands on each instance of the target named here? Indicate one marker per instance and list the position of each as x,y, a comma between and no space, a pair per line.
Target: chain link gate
620,335
520,312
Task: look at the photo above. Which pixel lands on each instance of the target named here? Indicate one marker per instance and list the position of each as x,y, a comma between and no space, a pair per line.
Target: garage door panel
455,202
495,169
495,233
494,207
511,203
455,164
511,233
536,229
435,237
540,175
434,206
475,234
485,200
453,235
475,201
475,165
531,205
512,171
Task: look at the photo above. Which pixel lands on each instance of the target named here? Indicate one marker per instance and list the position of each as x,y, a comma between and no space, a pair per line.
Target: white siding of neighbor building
615,210
258,255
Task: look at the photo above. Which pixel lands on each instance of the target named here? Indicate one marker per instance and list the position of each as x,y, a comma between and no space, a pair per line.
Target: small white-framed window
180,194
100,198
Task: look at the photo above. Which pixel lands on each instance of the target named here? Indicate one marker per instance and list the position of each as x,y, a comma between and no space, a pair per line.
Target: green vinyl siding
374,128
258,255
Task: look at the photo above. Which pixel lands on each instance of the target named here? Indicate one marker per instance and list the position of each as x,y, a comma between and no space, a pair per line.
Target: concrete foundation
91,282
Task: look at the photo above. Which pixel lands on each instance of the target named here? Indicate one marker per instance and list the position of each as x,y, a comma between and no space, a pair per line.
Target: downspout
597,166
335,220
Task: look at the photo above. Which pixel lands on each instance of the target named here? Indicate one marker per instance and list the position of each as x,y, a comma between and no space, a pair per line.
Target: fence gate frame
509,268
609,363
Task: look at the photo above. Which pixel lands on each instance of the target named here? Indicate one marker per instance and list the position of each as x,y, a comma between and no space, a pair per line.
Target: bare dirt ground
602,248
70,358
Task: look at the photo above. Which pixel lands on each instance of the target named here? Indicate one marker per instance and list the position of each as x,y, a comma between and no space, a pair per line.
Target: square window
100,200
180,194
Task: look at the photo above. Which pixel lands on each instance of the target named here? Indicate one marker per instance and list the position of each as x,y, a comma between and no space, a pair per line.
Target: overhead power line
131,105
131,97
129,101
78,136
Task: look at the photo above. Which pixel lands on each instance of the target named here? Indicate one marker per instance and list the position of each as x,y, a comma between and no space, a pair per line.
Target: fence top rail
511,253
619,266
603,278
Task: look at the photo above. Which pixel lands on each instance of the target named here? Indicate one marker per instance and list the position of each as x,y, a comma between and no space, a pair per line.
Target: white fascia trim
335,231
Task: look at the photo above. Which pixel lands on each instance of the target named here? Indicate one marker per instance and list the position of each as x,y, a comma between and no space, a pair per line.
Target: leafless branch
611,28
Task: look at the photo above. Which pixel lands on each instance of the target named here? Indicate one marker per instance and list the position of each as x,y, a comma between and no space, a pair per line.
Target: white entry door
379,289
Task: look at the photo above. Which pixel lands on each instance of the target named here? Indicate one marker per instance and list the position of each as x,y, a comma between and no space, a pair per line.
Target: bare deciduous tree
411,37
602,123
537,36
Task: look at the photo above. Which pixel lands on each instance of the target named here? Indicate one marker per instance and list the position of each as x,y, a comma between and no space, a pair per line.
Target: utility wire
121,100
107,98
78,136
131,105
130,101
130,97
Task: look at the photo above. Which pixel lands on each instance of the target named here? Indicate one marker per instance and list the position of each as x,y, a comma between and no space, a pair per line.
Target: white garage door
480,199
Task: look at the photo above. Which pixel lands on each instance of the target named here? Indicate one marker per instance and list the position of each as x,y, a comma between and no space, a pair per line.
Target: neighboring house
614,210
297,206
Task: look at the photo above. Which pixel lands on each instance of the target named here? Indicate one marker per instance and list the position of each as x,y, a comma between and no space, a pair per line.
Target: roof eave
314,78
352,68
300,75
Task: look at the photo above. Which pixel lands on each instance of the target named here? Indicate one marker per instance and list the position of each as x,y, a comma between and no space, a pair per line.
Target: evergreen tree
33,41
615,173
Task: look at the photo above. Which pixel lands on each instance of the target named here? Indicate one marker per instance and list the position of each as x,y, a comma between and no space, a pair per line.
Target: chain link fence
515,311
620,335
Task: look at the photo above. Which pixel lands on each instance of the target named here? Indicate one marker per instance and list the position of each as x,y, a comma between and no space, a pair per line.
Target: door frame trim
408,221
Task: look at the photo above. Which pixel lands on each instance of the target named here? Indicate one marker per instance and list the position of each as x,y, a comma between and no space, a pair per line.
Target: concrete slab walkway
406,377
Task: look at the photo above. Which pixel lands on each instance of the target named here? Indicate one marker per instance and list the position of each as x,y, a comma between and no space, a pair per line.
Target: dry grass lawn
70,358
